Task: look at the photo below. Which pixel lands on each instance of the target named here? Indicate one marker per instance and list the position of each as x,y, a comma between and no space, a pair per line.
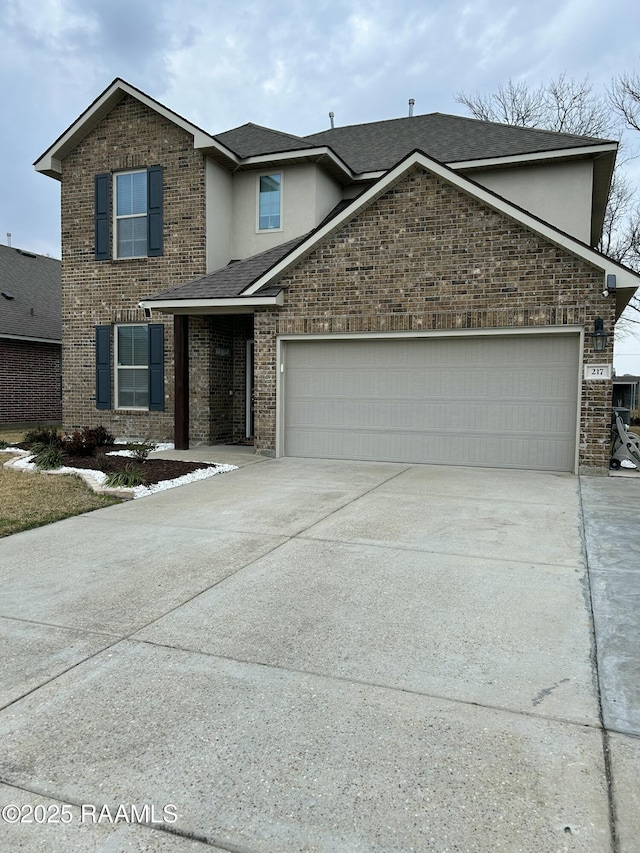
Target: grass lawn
30,500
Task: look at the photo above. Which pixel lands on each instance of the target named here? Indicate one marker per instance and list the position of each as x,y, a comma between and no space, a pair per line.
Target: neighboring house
625,391
422,289
30,337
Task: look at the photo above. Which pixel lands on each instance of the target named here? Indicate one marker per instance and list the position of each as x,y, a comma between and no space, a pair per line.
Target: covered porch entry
214,369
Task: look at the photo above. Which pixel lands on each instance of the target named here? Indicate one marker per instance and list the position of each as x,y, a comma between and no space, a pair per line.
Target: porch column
181,391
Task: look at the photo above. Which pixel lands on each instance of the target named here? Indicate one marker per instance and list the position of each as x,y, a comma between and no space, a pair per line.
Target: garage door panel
490,401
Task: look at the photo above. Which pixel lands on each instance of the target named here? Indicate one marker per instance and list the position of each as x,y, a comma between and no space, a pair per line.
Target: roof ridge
366,123
525,127
262,127
476,121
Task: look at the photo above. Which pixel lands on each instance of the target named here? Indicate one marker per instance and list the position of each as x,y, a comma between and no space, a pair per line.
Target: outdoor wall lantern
599,336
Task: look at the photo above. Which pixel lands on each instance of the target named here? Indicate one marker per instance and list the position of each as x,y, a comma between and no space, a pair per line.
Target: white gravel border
96,479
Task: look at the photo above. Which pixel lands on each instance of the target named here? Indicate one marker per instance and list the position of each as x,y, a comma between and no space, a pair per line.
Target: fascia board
324,151
626,278
49,162
169,305
520,159
29,339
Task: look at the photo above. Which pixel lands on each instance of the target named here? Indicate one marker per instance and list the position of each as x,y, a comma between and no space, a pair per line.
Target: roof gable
259,276
364,148
626,278
50,161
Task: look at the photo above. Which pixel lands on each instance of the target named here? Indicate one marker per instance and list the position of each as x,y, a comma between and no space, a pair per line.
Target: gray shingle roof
34,281
250,139
450,139
381,144
230,281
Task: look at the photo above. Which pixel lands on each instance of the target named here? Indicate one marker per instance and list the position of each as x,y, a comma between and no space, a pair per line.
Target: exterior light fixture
610,286
599,336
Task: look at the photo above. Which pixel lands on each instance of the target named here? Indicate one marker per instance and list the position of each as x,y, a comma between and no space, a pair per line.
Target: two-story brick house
422,289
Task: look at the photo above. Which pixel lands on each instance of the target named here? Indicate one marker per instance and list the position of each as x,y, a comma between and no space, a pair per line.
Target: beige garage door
496,401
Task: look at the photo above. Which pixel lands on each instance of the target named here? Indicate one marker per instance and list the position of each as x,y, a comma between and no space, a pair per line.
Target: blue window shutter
102,185
103,367
154,211
156,367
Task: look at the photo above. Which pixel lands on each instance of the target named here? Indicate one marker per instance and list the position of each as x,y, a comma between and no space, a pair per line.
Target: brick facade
29,382
425,256
107,292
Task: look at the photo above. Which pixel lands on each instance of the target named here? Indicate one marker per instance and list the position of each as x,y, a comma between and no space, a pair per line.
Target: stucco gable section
626,279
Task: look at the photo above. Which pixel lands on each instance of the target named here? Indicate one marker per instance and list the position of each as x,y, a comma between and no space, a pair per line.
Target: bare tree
570,106
565,105
624,97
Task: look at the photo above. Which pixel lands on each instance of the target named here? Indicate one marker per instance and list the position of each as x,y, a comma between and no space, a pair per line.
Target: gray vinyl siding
496,401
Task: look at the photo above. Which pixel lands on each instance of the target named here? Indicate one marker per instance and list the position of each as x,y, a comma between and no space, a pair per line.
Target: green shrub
128,478
141,449
47,457
4,444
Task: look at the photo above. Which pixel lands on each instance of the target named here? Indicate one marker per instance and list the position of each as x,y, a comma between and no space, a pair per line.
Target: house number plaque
597,371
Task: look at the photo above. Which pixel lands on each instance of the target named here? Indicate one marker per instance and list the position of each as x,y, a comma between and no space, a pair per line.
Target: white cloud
285,64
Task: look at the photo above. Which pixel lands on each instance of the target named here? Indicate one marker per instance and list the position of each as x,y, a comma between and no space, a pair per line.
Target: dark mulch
153,470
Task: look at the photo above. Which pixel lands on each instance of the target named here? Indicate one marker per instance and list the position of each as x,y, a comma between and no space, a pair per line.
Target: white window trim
267,175
117,367
117,218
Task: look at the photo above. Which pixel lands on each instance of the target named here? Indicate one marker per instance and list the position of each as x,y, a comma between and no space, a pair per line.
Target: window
132,367
269,202
138,366
131,214
135,216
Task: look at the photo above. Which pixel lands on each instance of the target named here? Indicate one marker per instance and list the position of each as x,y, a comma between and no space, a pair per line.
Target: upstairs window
135,217
269,202
131,214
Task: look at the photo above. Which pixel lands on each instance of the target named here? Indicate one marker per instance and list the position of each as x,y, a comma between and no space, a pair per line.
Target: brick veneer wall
29,382
107,292
425,256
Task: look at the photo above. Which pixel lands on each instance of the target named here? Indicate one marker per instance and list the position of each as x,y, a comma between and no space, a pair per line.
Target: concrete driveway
313,655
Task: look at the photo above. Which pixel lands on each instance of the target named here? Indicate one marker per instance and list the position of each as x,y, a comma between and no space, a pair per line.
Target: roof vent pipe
331,117
412,102
8,238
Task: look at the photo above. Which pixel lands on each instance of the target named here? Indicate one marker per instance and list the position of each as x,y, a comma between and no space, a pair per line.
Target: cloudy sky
284,64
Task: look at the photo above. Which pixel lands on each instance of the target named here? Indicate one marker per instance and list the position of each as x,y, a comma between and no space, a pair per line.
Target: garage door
497,401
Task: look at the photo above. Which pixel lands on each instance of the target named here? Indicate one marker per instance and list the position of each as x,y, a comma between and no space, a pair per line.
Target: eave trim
223,302
50,162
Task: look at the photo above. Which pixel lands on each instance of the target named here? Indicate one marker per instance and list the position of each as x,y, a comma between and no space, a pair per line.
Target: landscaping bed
125,470
153,470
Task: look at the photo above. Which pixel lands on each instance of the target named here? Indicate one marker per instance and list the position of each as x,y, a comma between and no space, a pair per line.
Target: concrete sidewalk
313,655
